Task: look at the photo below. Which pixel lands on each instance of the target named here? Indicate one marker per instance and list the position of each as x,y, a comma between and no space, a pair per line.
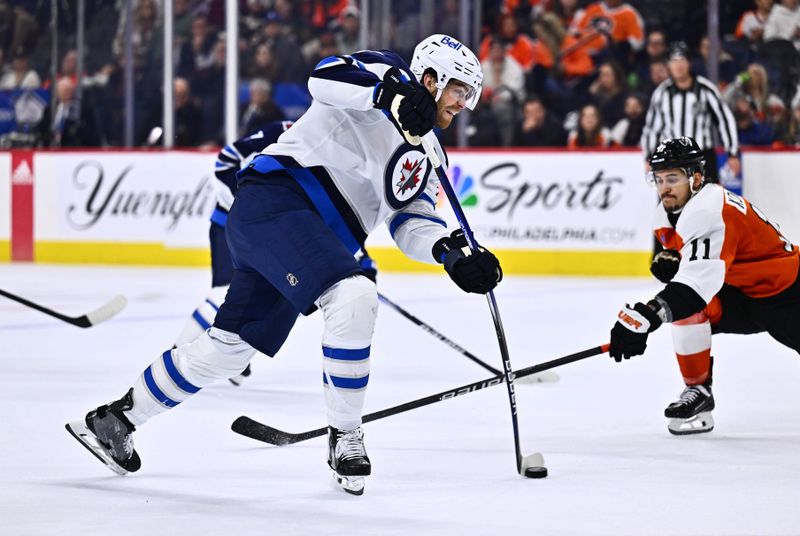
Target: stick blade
261,432
532,466
105,312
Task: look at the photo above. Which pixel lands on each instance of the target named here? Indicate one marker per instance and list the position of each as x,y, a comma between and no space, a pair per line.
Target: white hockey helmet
450,59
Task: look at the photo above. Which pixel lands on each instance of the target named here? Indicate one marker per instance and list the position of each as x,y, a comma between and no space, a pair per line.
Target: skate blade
354,485
85,437
699,424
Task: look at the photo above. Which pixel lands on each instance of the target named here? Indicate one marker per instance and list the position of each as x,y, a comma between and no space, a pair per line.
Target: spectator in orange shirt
575,60
523,49
624,25
590,131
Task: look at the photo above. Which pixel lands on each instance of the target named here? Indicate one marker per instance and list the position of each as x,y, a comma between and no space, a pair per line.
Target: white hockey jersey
354,164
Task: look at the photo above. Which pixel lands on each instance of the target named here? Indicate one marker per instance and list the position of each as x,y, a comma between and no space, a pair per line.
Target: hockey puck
535,472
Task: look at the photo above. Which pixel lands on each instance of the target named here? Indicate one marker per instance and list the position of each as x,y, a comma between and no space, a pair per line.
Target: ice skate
348,459
107,434
237,380
691,413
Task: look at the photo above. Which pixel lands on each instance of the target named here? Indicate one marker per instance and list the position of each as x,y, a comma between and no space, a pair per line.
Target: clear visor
464,93
667,178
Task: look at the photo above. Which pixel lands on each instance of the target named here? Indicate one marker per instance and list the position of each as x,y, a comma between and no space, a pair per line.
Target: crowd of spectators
558,73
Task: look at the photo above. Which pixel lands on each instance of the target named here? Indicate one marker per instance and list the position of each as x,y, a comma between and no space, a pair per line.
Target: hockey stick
531,466
261,432
452,344
101,314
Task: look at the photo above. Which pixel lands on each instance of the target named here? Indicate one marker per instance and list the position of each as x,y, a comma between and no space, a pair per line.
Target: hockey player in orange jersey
727,269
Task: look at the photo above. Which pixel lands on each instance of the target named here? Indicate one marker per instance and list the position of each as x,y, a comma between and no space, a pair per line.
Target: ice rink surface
444,469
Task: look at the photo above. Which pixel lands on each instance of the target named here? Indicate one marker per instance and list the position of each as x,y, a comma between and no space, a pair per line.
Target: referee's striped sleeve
722,117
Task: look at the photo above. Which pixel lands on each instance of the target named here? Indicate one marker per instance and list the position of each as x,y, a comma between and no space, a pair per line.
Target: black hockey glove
417,111
368,266
665,265
473,271
629,334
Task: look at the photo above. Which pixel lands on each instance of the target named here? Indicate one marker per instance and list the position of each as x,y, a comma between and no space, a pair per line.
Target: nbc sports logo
463,186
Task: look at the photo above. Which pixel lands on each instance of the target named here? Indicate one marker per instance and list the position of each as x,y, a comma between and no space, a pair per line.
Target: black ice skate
107,434
691,413
348,459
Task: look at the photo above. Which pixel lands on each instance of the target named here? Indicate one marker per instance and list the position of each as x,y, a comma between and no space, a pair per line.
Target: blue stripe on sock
346,355
150,382
176,376
213,305
347,383
200,320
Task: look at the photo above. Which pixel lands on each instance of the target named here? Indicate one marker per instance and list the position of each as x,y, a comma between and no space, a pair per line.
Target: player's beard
673,207
444,118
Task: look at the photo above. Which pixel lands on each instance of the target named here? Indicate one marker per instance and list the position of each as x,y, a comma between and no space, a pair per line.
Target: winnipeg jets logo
409,176
405,176
292,279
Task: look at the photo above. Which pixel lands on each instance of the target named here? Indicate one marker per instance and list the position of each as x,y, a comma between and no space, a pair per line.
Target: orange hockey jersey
723,238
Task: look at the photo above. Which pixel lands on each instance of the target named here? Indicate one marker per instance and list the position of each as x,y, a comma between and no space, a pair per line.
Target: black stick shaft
255,430
79,321
429,143
449,342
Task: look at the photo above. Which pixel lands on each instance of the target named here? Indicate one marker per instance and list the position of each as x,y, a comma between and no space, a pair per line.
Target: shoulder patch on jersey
736,202
405,176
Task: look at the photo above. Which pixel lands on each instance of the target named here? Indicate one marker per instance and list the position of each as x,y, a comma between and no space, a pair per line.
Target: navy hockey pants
284,258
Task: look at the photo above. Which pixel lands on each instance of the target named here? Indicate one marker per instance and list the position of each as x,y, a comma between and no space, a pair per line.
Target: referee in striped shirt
687,105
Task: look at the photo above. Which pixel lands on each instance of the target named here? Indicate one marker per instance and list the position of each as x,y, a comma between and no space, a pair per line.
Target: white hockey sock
183,371
349,309
691,338
203,317
345,377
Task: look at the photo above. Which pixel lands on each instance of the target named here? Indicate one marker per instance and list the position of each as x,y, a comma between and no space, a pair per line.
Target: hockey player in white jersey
303,208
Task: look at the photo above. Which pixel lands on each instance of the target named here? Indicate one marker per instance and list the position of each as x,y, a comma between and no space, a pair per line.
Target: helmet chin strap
691,183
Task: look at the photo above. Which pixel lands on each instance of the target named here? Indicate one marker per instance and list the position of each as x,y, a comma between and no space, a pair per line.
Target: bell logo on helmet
452,43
